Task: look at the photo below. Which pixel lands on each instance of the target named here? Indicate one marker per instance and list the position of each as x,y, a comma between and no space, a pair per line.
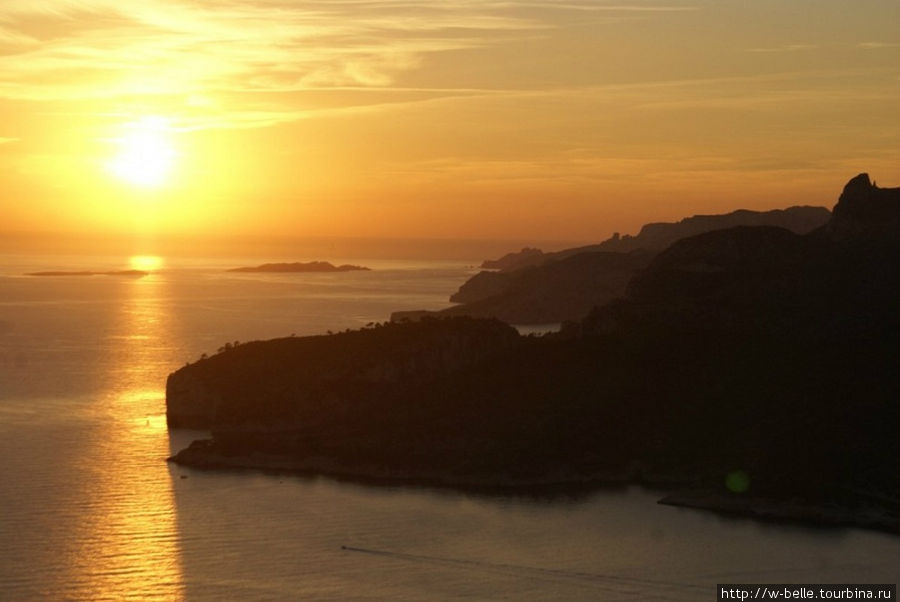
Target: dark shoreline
678,491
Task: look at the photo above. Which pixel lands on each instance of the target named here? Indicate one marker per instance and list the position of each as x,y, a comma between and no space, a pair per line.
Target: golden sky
532,120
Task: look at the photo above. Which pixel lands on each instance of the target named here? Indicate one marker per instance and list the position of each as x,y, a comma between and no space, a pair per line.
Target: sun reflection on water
129,539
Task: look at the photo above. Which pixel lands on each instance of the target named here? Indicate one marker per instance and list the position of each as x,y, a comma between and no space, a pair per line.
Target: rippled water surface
91,510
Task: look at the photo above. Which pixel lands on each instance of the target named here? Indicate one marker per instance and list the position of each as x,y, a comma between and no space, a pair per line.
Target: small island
128,273
312,266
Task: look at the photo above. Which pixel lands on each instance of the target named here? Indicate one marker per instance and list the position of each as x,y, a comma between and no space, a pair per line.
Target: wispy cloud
69,50
877,45
8,140
61,49
785,48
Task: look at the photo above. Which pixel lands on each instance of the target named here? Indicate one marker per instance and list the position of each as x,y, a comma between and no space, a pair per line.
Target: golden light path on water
128,540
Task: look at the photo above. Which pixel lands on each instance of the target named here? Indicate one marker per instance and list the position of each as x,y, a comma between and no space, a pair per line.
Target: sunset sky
535,120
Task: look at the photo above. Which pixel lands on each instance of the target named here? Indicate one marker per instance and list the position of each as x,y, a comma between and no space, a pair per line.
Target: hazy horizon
284,248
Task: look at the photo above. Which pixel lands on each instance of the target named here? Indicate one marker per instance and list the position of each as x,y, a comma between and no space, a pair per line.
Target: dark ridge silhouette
131,273
533,287
864,210
752,351
312,266
553,292
512,261
657,236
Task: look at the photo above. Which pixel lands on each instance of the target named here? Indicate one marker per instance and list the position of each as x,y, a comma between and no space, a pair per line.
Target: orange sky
493,119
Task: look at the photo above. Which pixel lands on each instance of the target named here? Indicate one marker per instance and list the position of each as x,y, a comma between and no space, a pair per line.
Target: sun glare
145,262
146,155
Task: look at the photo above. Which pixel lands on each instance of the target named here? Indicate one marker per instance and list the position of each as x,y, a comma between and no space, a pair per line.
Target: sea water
90,509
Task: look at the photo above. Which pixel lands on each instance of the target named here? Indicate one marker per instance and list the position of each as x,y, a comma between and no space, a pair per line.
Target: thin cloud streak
878,45
787,48
201,45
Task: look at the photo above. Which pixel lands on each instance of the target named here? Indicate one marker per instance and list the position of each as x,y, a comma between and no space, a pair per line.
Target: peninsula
312,266
754,364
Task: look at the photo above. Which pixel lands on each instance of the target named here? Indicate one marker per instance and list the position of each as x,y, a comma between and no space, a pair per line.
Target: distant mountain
533,287
755,278
655,237
312,266
750,351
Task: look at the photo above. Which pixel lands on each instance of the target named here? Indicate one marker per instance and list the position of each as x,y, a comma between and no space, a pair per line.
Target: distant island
749,370
312,266
131,273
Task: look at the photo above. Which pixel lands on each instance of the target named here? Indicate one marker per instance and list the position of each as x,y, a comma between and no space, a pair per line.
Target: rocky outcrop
864,209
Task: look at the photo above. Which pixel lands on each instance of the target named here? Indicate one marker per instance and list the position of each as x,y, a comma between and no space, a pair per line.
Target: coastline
199,456
681,491
790,510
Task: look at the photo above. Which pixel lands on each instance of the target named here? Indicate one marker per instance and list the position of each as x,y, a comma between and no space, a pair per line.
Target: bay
92,511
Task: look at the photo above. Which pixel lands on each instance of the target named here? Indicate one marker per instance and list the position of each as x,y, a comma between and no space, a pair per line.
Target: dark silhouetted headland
312,266
754,364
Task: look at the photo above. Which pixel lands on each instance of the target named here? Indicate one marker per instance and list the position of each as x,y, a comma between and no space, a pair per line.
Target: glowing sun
145,155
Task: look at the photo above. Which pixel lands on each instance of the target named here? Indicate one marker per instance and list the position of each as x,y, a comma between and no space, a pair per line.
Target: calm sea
90,510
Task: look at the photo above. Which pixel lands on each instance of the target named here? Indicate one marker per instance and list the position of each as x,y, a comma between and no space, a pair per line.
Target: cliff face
266,381
190,401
